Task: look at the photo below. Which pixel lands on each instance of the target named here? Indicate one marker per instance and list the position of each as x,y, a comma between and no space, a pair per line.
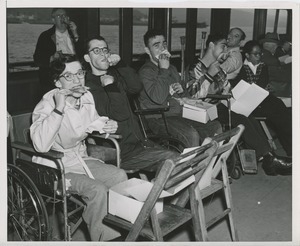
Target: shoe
277,165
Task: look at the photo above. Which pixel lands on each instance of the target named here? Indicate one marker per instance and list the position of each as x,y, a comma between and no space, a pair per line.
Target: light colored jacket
233,64
65,133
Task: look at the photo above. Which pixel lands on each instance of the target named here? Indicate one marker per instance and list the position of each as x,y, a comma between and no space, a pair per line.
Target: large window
244,19
23,29
282,21
178,28
140,27
203,27
109,27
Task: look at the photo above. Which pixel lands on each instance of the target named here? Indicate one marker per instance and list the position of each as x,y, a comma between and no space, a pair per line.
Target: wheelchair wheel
27,216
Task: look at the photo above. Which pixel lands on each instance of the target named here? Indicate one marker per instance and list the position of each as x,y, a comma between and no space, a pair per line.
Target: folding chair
208,184
172,217
212,162
32,188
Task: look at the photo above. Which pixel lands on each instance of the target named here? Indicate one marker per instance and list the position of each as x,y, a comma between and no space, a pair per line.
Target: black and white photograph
136,122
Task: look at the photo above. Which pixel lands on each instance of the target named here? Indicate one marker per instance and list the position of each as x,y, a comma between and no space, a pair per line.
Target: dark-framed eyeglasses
70,76
100,51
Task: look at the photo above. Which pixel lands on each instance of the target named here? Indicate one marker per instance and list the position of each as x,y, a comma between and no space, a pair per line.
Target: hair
55,9
151,33
58,65
250,45
87,42
215,38
243,33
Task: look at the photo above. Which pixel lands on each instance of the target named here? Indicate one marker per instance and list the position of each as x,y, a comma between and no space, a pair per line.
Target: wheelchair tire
233,165
27,215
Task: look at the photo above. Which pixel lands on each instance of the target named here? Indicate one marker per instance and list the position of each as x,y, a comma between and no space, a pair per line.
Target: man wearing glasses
110,81
61,38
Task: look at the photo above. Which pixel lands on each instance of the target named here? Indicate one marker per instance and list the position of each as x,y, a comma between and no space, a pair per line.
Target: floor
262,211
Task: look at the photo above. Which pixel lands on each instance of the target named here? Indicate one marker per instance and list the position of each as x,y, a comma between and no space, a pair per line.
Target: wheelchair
40,208
164,140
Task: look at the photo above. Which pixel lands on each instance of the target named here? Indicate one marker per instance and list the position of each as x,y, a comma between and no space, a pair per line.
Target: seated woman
61,122
277,114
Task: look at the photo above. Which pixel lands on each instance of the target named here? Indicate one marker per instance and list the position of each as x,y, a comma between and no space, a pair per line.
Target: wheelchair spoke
26,221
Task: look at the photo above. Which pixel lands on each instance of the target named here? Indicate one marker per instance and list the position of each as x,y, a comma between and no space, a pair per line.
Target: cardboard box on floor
126,199
199,111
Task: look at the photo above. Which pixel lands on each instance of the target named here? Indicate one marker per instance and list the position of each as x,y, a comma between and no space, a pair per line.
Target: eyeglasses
61,16
70,76
256,54
100,51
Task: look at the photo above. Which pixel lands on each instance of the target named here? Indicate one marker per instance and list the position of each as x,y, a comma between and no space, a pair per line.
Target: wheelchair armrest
103,136
52,154
220,97
113,138
152,111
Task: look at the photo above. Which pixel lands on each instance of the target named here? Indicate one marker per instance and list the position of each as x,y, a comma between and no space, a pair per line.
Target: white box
200,111
126,199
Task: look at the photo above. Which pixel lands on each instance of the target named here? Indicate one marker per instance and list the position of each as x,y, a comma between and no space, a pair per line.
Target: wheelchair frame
32,187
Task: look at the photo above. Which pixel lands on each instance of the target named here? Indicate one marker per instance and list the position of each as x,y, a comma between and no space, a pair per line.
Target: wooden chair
206,165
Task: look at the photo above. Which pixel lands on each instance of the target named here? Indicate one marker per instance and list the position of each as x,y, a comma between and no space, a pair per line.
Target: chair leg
195,214
201,215
228,199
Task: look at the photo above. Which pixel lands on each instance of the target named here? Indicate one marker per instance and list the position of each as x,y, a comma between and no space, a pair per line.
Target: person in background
280,76
208,77
163,88
61,122
284,49
111,82
61,38
277,114
234,61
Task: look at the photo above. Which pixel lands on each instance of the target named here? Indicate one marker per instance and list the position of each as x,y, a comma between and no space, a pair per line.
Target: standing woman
61,122
277,114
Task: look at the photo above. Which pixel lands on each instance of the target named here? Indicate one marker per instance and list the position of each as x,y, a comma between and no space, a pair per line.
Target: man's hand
56,55
106,80
177,88
164,61
214,68
111,126
113,59
73,29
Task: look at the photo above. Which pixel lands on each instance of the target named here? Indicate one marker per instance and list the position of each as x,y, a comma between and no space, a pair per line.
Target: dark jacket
112,101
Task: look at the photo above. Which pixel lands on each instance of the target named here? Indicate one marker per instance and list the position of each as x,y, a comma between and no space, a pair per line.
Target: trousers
94,193
253,136
280,119
189,132
147,158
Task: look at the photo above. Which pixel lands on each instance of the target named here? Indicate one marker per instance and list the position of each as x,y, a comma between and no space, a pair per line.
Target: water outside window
109,27
140,27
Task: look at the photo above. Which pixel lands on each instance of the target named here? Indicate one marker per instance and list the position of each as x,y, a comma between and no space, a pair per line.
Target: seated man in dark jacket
110,81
